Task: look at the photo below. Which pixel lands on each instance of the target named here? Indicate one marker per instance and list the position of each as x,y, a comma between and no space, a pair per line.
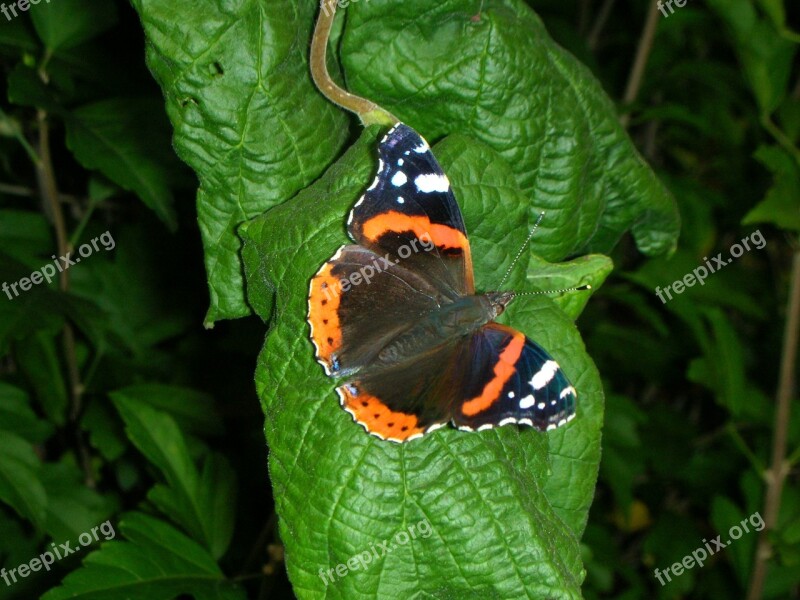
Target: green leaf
201,503
16,415
16,38
505,506
38,359
140,316
26,236
105,430
63,24
72,508
722,367
781,206
766,56
503,81
193,411
591,269
20,486
18,543
247,118
26,88
156,562
123,139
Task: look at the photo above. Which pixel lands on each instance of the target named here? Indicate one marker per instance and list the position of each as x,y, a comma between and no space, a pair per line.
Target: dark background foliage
118,404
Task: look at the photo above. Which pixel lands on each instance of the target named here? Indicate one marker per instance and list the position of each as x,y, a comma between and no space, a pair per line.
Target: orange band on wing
443,236
377,418
323,315
503,370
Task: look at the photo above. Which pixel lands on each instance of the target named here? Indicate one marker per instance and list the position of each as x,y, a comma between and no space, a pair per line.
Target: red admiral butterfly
397,315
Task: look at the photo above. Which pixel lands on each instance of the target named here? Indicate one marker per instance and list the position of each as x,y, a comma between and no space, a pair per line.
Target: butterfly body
397,314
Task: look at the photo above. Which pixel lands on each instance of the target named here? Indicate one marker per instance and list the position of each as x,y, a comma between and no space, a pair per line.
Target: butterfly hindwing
406,400
512,380
410,213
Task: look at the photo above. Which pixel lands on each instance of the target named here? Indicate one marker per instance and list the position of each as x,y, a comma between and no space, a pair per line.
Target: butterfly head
499,301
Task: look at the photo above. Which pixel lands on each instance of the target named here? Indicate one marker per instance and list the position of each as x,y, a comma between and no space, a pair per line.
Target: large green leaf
502,80
506,506
156,562
246,115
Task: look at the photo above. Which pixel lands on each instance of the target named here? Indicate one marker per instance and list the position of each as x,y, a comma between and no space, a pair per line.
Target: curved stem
369,112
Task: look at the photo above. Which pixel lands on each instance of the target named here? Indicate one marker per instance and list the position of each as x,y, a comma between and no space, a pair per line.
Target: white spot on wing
399,179
511,394
566,392
401,200
485,426
527,401
545,375
507,421
432,182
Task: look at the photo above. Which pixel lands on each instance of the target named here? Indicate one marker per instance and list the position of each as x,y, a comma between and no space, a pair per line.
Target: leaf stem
369,112
776,475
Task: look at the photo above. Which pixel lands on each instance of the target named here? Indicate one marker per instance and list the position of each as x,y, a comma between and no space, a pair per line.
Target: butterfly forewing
409,212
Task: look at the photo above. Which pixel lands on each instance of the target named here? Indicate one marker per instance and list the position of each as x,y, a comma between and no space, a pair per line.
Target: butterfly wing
410,213
494,377
404,401
357,302
511,379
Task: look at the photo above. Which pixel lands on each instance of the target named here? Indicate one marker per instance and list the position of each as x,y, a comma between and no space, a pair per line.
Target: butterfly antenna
588,286
521,249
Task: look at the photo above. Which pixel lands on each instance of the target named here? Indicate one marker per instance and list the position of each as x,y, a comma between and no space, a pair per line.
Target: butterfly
396,315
